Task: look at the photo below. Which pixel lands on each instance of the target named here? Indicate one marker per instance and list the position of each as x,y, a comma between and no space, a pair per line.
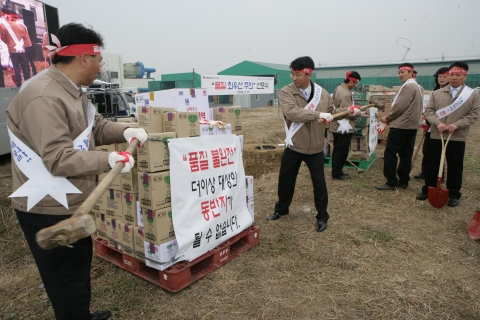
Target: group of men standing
14,34
307,107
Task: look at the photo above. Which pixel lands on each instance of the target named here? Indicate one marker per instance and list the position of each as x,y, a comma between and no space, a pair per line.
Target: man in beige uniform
53,130
453,109
404,120
342,130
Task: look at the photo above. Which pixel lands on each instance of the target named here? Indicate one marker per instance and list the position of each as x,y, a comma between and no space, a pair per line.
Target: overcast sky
212,35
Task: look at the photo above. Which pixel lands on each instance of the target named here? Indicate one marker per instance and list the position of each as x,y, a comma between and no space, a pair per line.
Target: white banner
373,134
232,85
208,193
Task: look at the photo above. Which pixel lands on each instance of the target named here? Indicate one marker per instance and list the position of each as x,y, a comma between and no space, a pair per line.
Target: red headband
446,72
304,70
406,68
72,49
347,76
457,70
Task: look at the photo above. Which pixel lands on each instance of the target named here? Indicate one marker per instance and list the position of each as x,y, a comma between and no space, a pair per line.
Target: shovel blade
474,226
437,197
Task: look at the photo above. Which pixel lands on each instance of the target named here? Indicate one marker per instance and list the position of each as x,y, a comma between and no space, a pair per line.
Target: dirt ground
384,255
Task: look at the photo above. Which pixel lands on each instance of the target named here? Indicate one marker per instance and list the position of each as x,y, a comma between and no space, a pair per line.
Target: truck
109,99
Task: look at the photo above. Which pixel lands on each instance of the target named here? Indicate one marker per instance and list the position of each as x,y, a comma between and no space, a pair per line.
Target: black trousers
341,146
65,271
19,61
426,153
454,157
291,161
31,59
401,142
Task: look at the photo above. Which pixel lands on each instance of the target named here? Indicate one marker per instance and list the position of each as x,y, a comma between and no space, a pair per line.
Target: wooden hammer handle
92,198
346,113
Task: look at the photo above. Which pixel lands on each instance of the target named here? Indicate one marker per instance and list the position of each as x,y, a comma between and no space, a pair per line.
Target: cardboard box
359,143
107,148
188,124
116,182
183,100
250,208
170,122
114,233
206,130
154,155
361,131
101,225
229,115
129,207
158,225
226,130
151,118
154,190
359,155
126,237
377,88
362,122
129,181
380,97
163,254
138,243
110,203
139,214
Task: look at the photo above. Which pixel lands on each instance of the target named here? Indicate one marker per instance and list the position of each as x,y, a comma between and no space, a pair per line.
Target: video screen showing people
23,37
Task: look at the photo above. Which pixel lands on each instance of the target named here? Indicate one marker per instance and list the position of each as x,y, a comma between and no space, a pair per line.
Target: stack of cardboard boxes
134,214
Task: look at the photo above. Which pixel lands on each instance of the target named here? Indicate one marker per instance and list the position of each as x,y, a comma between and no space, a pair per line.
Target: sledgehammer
80,224
346,113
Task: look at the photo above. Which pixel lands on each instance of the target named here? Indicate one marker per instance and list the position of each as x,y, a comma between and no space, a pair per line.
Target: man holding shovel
453,109
53,131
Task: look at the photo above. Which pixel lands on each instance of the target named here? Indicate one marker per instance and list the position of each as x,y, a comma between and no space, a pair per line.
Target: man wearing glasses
303,103
453,109
53,129
342,130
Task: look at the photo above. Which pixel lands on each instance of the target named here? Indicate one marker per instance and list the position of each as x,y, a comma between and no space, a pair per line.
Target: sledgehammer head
66,232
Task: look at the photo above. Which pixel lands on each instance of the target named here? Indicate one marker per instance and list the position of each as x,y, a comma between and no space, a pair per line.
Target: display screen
25,27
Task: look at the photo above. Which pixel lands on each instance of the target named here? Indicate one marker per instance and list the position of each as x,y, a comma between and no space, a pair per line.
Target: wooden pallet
362,164
183,273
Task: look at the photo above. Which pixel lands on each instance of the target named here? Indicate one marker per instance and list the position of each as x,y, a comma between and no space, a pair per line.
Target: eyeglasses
102,63
296,75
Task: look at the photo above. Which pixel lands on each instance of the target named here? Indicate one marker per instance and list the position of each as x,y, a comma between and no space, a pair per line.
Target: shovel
474,226
80,224
437,196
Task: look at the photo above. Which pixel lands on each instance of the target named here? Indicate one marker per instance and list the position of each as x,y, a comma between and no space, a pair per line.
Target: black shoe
342,177
275,216
452,202
422,196
385,187
321,226
101,315
419,176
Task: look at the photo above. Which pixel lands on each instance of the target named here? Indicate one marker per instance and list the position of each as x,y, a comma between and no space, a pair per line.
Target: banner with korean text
207,182
232,85
373,134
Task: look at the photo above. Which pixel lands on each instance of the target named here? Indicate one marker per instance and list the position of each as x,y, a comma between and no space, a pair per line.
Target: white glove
356,112
326,117
121,156
139,134
364,114
381,127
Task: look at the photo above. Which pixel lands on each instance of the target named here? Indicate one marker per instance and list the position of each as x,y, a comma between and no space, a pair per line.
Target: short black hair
406,64
442,70
353,74
302,62
459,64
75,33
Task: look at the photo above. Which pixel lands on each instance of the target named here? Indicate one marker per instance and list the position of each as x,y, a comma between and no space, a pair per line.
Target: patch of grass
473,163
376,235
